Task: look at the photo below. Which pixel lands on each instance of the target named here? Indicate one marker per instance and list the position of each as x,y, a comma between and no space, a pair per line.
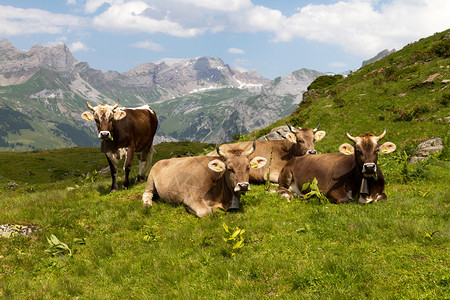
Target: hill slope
408,92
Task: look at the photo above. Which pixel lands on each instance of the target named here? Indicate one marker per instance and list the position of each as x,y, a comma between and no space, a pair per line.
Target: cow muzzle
242,187
369,169
311,152
104,135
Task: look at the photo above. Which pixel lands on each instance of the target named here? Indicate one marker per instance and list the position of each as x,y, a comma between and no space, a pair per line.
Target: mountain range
44,90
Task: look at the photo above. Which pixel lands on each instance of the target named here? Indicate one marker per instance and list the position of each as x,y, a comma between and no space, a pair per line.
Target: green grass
294,249
396,249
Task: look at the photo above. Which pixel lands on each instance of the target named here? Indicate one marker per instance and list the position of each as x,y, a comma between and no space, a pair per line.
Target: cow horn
220,153
116,106
291,128
89,106
317,128
382,135
350,137
251,150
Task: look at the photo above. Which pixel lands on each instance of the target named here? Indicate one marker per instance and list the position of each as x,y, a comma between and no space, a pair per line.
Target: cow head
104,115
366,149
304,139
236,166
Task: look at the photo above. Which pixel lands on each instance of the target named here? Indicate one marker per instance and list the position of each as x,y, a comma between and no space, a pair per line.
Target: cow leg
113,169
199,208
127,167
145,161
339,194
149,192
284,183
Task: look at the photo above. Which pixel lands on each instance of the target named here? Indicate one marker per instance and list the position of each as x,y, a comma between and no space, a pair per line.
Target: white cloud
361,27
148,45
131,17
221,5
79,46
235,51
18,21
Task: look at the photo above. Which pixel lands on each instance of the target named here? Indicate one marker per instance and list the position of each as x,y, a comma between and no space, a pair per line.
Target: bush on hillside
324,81
442,48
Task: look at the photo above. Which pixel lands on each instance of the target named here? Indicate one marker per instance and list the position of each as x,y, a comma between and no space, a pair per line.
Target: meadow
91,244
108,246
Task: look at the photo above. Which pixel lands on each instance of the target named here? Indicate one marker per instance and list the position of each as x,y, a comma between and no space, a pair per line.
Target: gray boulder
425,149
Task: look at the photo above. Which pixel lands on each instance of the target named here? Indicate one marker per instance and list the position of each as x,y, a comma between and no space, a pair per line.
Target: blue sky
272,37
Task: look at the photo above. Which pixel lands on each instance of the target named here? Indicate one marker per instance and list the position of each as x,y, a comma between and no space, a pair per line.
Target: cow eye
97,121
300,140
357,151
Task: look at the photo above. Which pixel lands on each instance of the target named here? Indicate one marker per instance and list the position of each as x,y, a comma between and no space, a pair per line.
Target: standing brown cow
341,176
124,131
203,183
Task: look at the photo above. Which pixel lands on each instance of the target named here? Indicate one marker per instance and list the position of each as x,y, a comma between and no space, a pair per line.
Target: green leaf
239,244
305,186
236,233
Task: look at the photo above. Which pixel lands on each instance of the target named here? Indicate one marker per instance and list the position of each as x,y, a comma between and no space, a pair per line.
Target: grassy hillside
108,246
408,92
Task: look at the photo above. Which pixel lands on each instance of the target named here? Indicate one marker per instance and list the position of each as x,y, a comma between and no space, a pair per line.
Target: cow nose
311,152
104,135
242,187
369,167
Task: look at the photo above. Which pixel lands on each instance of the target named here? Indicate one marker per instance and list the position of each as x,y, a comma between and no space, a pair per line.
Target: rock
11,185
277,133
445,119
425,149
10,230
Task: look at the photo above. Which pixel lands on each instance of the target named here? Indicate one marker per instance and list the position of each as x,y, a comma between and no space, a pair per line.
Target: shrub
442,48
324,81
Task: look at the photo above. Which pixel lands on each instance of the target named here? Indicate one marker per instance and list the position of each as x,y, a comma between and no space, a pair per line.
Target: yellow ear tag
218,168
384,150
255,166
348,151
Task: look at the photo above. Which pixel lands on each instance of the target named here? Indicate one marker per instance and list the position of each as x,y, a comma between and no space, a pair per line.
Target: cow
299,141
203,183
341,176
125,131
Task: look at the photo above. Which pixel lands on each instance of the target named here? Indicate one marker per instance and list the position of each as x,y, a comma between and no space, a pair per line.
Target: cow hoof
289,197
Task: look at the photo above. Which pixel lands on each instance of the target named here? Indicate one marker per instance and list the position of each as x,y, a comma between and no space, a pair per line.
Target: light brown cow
203,183
341,176
298,142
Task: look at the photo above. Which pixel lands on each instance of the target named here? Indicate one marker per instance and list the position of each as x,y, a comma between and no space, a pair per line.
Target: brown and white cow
124,131
203,183
341,176
298,142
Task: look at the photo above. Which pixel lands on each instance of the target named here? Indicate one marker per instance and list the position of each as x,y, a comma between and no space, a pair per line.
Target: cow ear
346,148
258,162
88,116
216,165
291,137
319,135
387,147
120,114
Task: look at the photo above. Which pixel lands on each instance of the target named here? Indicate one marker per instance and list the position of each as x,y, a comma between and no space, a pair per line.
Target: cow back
136,129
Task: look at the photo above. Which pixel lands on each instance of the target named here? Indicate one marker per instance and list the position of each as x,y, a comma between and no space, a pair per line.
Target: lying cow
203,183
340,175
298,142
124,132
